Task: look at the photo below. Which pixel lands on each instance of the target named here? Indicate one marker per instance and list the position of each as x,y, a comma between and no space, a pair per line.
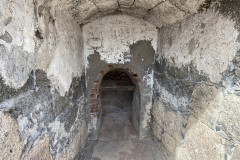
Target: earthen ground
118,139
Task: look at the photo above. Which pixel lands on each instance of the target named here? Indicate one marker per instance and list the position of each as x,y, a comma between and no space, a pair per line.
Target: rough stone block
202,142
78,139
188,6
106,6
147,4
229,116
172,124
165,13
11,145
206,103
182,154
170,143
236,153
125,3
85,10
41,150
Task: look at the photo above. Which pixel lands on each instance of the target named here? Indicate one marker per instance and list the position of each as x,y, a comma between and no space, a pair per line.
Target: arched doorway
119,103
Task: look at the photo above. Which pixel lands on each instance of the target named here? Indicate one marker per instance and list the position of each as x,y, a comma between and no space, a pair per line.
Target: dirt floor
118,140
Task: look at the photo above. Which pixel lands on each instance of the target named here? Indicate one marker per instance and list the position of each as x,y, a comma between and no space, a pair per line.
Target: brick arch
95,95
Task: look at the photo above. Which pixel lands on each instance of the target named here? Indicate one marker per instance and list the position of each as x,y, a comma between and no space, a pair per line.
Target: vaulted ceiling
157,12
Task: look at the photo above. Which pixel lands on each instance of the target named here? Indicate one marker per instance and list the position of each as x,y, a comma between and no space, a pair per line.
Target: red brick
110,67
93,96
94,90
135,75
138,80
102,72
93,100
94,110
95,115
93,106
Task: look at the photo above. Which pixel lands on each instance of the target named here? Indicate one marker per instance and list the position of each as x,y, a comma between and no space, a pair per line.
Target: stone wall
53,55
41,117
42,82
59,45
16,42
196,97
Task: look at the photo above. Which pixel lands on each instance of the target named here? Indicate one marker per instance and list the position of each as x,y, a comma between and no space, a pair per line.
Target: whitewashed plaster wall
195,115
207,40
59,53
16,41
112,37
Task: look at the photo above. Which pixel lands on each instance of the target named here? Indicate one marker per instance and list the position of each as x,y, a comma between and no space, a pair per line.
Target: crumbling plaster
16,41
56,30
112,37
47,40
208,39
196,88
196,91
59,49
123,42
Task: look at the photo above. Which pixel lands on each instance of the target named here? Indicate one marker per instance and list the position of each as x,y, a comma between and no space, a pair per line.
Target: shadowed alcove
119,103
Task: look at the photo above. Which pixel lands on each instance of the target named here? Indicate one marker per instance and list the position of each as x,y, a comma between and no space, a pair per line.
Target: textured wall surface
40,118
207,39
16,41
196,88
112,37
42,90
157,12
58,46
183,56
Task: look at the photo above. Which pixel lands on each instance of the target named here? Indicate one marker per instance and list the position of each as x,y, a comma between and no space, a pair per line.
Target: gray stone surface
193,107
37,112
185,65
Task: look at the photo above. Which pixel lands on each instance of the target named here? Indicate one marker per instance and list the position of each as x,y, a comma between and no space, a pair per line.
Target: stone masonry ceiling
157,12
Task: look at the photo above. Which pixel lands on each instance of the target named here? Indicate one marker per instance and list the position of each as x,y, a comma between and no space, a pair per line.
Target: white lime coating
208,39
16,42
112,37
